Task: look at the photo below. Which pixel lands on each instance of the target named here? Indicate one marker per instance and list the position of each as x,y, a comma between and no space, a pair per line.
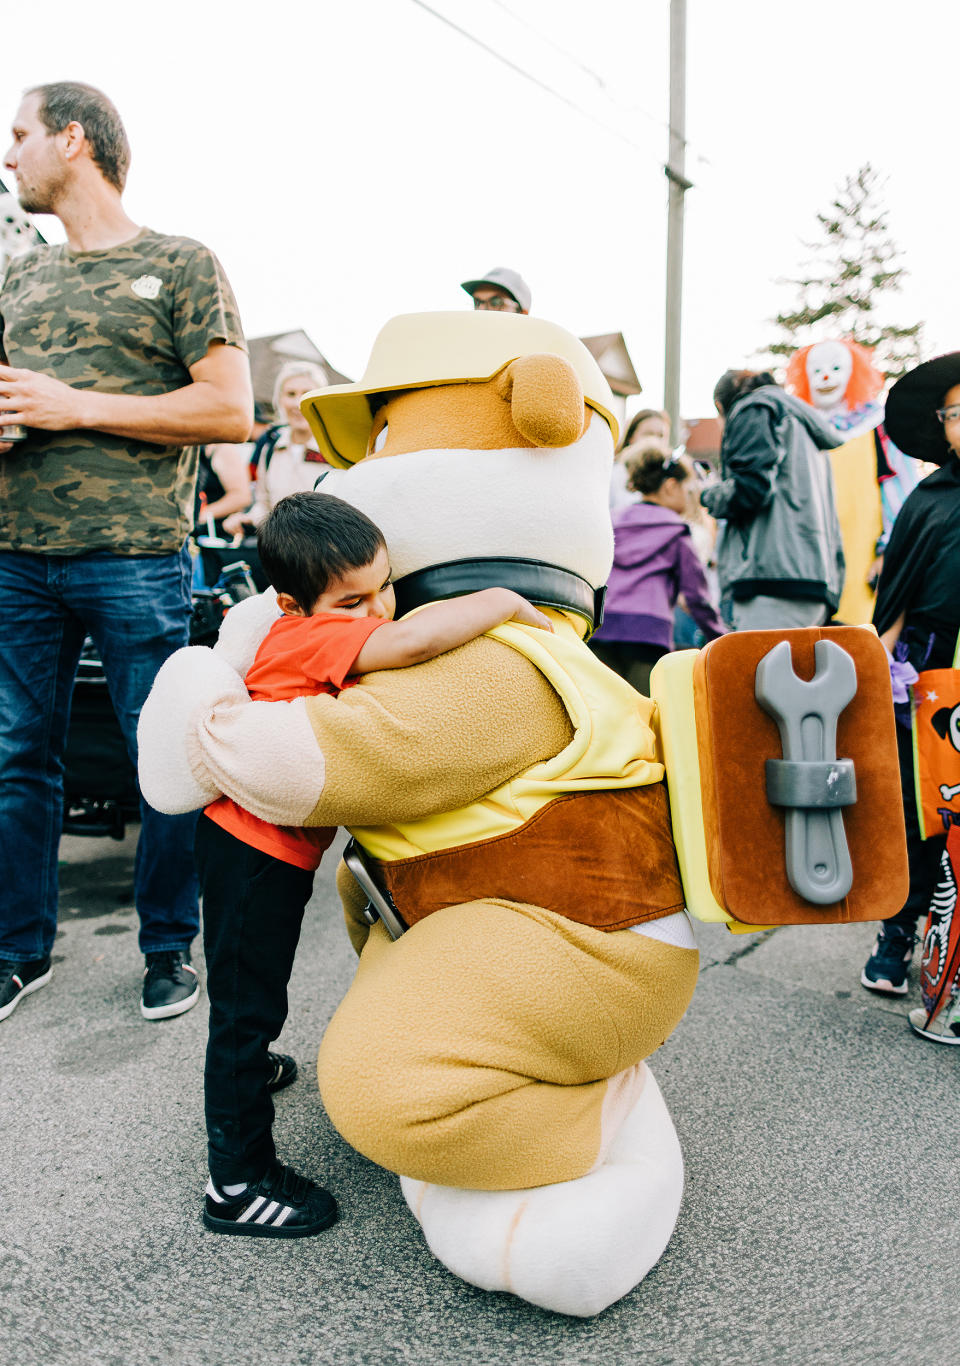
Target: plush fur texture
477,499
546,400
197,716
478,1077
434,737
619,1217
244,629
173,775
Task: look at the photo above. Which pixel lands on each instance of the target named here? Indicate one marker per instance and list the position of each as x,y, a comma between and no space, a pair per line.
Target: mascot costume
871,476
509,805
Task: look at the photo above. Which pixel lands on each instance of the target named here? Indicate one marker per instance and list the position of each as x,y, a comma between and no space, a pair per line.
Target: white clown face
829,367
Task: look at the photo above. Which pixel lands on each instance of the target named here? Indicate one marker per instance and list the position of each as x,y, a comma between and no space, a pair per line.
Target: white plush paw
190,684
245,628
575,1247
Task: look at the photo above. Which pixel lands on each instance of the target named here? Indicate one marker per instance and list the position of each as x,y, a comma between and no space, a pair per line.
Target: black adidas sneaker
284,1071
282,1204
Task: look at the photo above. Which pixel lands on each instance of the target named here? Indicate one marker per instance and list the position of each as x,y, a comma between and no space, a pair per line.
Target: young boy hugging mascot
510,799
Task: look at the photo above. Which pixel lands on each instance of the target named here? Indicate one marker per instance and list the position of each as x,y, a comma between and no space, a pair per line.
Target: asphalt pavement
819,1223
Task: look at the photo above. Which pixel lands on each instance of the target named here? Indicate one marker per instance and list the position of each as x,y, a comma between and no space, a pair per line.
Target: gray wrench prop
810,782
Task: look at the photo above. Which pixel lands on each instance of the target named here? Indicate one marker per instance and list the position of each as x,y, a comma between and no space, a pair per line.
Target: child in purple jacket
654,562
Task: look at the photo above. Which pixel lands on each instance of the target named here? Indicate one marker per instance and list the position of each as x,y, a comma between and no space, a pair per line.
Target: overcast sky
353,159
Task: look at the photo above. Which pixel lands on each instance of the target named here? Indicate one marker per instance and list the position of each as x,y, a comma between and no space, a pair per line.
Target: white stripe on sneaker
283,1216
265,1216
256,1203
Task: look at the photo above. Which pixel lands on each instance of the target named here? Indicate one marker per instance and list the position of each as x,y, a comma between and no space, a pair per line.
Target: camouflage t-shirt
128,320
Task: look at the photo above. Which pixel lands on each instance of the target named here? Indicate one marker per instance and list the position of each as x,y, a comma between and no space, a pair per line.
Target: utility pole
679,184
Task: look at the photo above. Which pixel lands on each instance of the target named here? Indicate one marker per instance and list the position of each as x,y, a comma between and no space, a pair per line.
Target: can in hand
13,431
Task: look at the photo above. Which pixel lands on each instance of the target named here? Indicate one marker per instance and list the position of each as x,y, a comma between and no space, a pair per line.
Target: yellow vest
613,747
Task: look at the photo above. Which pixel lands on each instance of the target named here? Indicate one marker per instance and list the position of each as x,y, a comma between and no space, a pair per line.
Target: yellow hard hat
419,350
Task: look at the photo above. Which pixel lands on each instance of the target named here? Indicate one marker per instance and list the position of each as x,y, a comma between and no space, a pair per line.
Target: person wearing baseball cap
917,616
501,289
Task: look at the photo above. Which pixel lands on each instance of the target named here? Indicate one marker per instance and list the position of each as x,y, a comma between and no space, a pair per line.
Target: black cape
921,567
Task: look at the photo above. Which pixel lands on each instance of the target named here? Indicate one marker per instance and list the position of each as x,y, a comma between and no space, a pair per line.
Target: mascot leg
574,1247
535,1146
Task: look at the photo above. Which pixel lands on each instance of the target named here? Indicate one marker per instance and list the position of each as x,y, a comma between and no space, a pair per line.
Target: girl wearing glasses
917,615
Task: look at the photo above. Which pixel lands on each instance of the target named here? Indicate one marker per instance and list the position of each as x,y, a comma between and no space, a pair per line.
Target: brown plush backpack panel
744,832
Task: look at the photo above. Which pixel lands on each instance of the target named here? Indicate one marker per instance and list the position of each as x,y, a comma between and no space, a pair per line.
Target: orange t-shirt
300,657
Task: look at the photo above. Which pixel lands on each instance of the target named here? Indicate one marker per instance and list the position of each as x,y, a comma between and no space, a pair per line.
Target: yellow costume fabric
854,467
482,1077
612,747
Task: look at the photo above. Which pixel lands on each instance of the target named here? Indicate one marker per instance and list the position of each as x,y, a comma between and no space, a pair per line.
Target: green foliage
852,269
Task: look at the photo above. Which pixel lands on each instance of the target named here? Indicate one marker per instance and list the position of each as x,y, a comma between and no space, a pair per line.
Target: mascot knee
367,1097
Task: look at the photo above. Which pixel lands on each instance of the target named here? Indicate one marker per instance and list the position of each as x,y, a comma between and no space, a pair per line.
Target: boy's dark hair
734,384
310,539
64,102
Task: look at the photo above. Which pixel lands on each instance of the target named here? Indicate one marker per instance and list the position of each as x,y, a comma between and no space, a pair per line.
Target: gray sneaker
943,1028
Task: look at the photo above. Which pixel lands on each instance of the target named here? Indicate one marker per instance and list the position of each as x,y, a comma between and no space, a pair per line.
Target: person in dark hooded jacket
917,616
779,554
654,562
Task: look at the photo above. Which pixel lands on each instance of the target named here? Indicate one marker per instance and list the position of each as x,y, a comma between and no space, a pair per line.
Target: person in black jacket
917,616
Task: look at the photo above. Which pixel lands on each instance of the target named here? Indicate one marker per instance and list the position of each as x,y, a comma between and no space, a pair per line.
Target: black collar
546,585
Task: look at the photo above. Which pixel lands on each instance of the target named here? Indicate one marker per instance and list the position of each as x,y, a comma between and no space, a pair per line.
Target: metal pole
674,171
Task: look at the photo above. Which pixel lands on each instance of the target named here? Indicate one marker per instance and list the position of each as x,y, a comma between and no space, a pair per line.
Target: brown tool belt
604,859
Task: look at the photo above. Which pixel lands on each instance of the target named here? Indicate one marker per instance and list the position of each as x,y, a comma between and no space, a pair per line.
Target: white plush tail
575,1247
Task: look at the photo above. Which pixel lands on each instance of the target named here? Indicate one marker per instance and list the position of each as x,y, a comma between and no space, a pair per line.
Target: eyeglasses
498,302
949,414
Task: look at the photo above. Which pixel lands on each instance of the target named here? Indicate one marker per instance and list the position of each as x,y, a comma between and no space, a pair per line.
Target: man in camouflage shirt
120,352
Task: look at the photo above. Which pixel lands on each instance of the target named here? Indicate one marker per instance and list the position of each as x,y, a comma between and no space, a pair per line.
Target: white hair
308,369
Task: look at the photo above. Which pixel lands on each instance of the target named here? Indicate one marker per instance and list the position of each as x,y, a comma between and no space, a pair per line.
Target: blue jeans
136,608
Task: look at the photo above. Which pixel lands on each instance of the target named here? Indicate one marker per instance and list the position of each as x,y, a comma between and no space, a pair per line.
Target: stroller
100,792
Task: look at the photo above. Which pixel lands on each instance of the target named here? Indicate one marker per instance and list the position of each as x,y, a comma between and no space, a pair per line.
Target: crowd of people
138,417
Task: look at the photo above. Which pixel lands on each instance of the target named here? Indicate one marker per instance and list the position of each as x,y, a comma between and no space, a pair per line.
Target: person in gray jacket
779,554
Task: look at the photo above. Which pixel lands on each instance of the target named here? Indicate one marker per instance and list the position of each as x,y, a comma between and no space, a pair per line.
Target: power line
588,70
518,18
529,76
601,83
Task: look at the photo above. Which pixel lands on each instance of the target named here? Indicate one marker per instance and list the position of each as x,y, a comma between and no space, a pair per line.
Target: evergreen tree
853,268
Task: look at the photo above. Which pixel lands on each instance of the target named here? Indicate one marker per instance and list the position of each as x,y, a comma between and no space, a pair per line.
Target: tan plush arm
407,743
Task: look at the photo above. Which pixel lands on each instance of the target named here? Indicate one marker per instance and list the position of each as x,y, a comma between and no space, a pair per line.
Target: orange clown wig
864,384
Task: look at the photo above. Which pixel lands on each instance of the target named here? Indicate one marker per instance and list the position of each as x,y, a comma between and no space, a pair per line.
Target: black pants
923,856
253,908
632,660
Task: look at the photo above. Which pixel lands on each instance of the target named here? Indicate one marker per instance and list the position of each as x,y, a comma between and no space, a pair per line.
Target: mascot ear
546,399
